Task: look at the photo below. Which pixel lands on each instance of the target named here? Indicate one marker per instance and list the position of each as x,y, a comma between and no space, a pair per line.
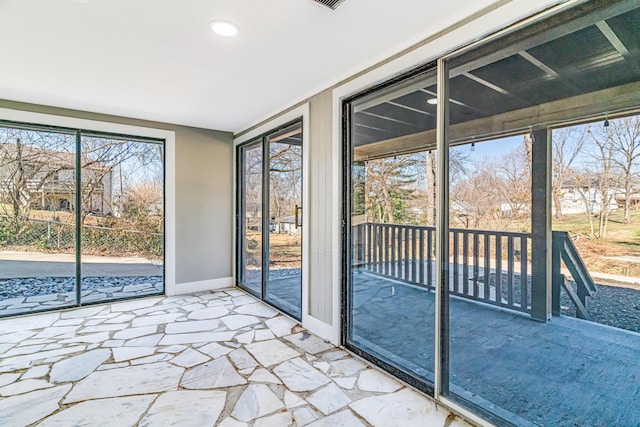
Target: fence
488,266
35,234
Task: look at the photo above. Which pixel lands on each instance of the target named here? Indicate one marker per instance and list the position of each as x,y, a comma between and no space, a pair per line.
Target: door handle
298,223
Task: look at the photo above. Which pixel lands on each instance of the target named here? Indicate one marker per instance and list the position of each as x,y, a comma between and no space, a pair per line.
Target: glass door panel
250,254
37,220
284,284
122,218
391,211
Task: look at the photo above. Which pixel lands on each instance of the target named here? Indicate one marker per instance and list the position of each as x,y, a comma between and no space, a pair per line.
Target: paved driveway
15,265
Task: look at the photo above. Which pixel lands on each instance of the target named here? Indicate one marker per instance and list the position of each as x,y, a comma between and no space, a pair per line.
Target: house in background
288,225
44,179
578,199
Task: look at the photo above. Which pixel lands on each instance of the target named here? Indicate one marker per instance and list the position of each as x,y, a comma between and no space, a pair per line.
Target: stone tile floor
221,358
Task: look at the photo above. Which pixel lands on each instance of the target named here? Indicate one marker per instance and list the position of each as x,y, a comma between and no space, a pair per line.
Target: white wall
199,184
325,145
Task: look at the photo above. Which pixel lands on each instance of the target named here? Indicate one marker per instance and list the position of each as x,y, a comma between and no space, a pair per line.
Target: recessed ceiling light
432,101
224,28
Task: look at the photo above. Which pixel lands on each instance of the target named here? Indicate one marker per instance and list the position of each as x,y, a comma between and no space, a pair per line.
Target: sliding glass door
122,217
270,220
284,255
250,241
81,217
454,279
37,224
391,274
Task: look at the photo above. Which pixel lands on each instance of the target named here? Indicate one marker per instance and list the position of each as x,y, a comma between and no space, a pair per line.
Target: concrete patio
16,264
560,373
33,281
221,358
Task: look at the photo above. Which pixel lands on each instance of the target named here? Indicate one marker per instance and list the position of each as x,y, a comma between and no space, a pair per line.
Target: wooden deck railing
488,266
565,251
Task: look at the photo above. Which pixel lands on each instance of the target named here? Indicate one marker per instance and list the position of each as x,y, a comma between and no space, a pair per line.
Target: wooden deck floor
566,372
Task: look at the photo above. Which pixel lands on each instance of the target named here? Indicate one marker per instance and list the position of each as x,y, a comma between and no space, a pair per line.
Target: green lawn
621,239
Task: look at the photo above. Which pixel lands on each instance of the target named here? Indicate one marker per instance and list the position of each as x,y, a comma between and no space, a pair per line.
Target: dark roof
517,72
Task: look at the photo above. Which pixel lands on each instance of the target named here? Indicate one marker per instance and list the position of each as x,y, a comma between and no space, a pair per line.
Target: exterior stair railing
564,250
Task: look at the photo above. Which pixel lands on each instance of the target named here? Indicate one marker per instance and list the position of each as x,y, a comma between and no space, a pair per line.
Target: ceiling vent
333,4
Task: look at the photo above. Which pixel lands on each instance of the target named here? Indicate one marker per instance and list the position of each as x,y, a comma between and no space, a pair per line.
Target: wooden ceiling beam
455,101
613,39
553,74
392,93
569,110
391,119
406,107
540,33
541,65
487,84
617,44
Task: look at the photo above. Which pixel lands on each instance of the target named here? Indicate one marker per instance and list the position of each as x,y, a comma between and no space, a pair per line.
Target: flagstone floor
221,358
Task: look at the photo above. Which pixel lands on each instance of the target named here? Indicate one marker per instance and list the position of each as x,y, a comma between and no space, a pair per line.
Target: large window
81,217
270,221
391,208
492,244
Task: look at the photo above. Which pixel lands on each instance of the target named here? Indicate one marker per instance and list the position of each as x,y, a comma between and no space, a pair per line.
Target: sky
496,148
491,150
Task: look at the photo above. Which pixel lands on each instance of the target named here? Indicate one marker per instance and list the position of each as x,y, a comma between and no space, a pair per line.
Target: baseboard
203,285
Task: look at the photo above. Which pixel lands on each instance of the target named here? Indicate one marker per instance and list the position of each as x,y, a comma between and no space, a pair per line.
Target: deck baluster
456,278
498,280
430,279
510,270
393,244
476,264
398,252
414,275
524,294
487,266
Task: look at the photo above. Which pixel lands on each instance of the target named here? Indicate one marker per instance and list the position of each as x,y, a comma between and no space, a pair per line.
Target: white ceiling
158,59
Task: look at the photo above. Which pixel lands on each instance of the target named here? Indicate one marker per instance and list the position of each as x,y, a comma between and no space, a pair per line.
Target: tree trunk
557,204
388,205
431,188
627,199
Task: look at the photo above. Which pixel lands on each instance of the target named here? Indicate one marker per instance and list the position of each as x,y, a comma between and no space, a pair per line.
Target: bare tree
512,179
113,166
390,184
34,169
476,199
567,143
432,187
380,174
624,136
285,179
602,177
582,181
143,199
427,182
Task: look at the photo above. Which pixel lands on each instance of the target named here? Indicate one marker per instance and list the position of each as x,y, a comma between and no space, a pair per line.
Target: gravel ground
612,305
28,287
274,273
